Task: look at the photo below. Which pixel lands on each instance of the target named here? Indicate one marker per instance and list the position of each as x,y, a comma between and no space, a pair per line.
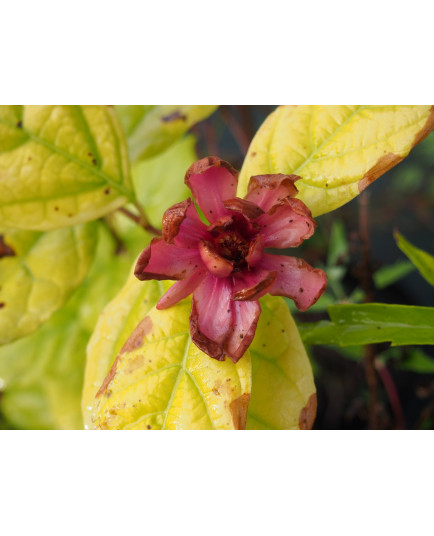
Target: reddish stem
392,393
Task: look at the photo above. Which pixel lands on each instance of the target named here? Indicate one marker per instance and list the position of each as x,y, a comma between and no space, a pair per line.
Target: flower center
232,246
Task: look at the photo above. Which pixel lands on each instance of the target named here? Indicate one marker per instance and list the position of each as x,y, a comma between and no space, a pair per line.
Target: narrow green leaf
152,129
61,165
388,275
38,273
353,325
419,362
338,243
423,261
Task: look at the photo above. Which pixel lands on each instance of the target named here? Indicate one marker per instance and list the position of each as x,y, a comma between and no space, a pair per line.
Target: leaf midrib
68,156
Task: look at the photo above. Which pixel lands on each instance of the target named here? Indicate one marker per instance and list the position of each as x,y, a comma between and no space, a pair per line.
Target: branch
141,219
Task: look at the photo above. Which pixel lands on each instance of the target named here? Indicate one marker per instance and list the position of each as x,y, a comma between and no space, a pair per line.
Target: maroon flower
224,264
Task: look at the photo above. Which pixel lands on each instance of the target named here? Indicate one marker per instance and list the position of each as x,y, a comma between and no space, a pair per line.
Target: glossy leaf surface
159,379
152,129
337,150
42,374
353,325
38,273
283,390
61,165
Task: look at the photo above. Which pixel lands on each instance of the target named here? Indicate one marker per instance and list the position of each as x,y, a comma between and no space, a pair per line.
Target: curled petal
245,316
267,190
172,219
221,225
217,265
182,225
295,279
181,289
286,225
256,250
248,209
211,182
211,314
254,285
161,260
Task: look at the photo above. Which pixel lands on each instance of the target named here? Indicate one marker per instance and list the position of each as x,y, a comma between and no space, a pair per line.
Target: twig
367,283
236,129
392,393
141,219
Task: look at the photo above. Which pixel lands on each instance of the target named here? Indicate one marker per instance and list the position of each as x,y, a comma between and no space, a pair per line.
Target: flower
225,264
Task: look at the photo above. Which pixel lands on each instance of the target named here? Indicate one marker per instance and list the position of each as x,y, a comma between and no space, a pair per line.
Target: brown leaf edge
308,414
388,161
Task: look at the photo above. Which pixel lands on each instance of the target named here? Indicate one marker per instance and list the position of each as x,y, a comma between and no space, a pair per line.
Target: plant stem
367,283
235,128
392,393
141,219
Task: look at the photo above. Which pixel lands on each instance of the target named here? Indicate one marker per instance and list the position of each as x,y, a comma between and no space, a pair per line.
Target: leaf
38,273
338,244
353,325
283,390
42,374
418,362
159,181
152,129
61,165
159,379
423,261
337,150
388,275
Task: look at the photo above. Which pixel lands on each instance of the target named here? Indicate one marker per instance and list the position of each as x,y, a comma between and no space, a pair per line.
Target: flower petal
182,225
295,279
211,182
181,289
248,209
253,285
217,265
161,260
245,316
211,314
287,224
256,250
267,190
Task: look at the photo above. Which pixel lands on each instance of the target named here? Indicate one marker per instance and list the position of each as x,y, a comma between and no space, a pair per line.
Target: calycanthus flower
225,264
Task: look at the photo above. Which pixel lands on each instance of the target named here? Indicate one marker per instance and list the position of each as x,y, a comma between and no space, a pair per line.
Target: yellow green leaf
41,376
38,273
152,129
283,390
61,165
159,181
159,379
337,150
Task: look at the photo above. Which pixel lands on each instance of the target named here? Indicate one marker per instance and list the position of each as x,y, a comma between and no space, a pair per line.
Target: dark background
402,199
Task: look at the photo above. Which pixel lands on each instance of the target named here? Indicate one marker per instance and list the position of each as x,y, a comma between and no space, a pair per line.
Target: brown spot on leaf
238,409
175,116
308,414
2,304
107,191
5,250
108,379
135,363
135,340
